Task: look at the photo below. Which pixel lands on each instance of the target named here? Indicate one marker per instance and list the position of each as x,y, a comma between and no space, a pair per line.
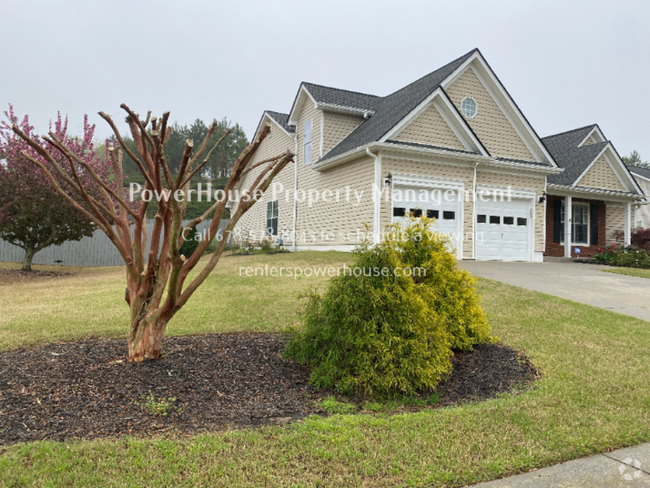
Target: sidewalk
628,467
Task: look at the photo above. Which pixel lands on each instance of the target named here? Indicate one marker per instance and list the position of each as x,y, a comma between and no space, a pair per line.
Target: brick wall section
555,248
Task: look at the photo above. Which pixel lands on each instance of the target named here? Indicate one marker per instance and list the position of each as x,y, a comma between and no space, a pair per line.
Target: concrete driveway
584,283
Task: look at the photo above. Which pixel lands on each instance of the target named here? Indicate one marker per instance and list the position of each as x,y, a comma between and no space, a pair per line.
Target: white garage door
503,230
442,205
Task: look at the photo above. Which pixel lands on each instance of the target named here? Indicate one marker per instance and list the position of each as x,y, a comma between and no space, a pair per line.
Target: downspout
376,224
295,192
545,208
474,213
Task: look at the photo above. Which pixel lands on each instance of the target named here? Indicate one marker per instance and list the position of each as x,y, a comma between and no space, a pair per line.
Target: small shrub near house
626,257
191,242
379,333
641,238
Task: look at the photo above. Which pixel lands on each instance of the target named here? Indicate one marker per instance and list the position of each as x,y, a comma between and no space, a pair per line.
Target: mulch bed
13,276
88,389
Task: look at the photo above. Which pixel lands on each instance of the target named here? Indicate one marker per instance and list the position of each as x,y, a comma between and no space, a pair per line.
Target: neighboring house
452,145
642,212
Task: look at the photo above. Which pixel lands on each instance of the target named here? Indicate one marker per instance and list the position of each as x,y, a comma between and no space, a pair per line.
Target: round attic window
468,107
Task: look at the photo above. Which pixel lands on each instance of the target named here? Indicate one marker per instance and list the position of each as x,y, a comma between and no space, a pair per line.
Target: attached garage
438,198
504,228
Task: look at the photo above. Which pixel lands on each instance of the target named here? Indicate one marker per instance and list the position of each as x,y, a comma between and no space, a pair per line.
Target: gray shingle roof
635,170
391,109
343,98
566,153
281,119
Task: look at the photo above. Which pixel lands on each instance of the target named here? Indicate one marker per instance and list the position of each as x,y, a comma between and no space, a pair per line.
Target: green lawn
594,395
90,303
640,273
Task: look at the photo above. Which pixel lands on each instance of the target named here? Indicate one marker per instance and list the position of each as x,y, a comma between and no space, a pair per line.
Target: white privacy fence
97,250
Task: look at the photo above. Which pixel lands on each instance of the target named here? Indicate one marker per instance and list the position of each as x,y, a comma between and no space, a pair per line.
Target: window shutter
594,224
557,221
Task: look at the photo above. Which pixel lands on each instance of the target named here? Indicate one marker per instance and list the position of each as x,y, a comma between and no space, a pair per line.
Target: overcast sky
566,63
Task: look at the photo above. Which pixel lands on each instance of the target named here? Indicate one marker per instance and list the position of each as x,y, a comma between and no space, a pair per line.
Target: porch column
567,226
628,223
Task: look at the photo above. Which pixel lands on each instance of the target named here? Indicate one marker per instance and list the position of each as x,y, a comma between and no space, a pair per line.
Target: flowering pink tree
33,215
157,275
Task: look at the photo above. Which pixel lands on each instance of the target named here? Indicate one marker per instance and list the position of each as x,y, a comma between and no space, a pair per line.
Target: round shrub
380,330
450,290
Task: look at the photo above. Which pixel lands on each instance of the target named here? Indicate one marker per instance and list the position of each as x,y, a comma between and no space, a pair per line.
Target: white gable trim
512,113
600,137
266,116
617,166
586,170
456,123
298,104
637,175
505,112
269,116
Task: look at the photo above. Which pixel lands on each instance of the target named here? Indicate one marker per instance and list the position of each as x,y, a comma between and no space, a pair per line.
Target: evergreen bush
379,329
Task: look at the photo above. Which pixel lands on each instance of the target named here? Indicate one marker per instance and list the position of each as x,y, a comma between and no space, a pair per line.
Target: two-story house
452,145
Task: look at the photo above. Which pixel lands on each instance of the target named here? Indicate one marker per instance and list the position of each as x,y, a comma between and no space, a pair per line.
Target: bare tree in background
157,277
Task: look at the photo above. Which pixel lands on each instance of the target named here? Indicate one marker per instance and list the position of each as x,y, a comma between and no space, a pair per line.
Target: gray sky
566,63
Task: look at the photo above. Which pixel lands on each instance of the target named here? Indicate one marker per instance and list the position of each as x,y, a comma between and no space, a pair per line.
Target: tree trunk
145,339
29,256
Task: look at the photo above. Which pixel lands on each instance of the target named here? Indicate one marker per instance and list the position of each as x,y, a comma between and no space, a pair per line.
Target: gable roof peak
586,128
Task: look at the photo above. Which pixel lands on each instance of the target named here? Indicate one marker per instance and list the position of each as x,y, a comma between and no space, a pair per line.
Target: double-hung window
272,218
579,224
307,144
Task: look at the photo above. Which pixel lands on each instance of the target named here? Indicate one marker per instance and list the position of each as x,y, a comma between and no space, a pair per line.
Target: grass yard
594,395
90,303
640,273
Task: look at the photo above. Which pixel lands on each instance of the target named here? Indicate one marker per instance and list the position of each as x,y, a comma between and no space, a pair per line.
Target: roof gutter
487,161
333,107
554,189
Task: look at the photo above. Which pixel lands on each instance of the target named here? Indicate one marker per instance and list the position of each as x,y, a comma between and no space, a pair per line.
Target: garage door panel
504,238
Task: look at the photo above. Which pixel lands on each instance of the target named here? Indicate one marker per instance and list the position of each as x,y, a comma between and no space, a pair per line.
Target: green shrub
380,332
627,257
191,242
450,290
266,245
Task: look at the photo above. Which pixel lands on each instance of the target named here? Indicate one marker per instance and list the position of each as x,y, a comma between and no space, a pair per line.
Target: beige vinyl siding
332,223
588,142
430,128
253,222
614,220
458,172
601,175
336,127
533,183
490,124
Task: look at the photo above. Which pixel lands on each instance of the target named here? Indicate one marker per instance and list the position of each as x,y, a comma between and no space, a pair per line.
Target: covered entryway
503,229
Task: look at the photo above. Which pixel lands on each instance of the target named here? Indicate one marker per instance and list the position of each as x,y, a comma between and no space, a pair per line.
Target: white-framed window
307,142
579,224
639,224
468,107
272,218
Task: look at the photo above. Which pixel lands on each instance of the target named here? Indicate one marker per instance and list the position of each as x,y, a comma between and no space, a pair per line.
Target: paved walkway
584,283
623,468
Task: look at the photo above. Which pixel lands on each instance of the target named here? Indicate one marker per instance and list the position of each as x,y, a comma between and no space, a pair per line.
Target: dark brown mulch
88,390
12,276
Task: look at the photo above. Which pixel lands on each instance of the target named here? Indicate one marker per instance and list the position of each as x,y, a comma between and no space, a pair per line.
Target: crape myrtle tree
156,272
33,214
